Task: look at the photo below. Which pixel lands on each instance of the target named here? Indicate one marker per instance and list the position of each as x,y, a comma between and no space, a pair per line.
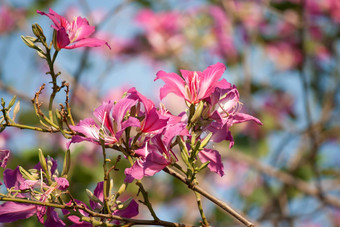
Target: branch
284,178
94,214
212,198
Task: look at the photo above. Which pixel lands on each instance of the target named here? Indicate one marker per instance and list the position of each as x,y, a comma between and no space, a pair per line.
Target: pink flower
193,86
163,30
75,34
111,117
226,113
10,18
152,159
154,121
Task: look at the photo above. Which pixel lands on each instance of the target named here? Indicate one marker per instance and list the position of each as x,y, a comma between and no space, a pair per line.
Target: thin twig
218,202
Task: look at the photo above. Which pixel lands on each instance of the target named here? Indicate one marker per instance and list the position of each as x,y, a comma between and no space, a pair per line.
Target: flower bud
54,40
11,103
29,42
198,112
37,30
206,140
42,161
67,163
26,175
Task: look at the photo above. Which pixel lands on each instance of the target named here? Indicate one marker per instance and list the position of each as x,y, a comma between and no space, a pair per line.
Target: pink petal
209,79
154,121
242,117
173,84
62,38
10,211
80,29
215,160
53,219
88,42
58,20
130,211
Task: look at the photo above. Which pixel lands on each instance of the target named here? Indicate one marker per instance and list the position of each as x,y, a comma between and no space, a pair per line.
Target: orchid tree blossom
73,35
193,86
226,112
112,123
151,159
154,121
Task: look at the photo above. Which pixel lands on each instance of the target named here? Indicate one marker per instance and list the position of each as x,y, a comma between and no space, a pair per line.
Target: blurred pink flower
223,30
10,18
285,55
75,34
163,29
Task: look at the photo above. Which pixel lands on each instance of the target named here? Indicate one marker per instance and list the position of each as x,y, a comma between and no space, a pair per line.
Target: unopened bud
93,197
42,161
206,140
67,163
29,43
198,112
54,40
41,54
11,103
26,175
203,166
37,30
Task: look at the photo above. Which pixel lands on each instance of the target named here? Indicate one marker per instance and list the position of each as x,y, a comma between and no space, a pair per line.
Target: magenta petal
134,172
13,178
214,159
130,211
10,211
88,42
58,20
242,117
173,84
62,38
154,121
4,155
62,182
53,219
223,84
102,113
209,79
120,109
88,127
98,192
81,29
148,104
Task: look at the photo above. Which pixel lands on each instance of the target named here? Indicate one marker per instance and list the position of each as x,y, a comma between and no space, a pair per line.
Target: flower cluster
150,137
72,35
41,183
135,125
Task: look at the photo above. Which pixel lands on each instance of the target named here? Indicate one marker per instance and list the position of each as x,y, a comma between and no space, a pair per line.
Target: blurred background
283,55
